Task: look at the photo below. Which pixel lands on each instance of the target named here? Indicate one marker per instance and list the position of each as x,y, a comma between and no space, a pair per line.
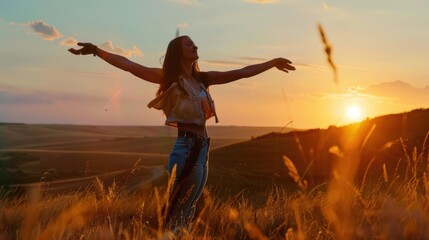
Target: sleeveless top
181,103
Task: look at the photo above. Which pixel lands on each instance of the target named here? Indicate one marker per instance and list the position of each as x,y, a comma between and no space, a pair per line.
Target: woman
184,98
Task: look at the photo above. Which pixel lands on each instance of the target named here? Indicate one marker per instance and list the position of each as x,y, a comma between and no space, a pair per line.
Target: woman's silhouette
184,98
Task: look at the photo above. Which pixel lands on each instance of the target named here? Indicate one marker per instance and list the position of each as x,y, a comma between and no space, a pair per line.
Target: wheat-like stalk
386,177
328,52
293,172
254,232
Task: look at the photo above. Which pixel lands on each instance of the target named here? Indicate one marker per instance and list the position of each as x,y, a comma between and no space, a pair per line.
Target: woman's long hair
171,67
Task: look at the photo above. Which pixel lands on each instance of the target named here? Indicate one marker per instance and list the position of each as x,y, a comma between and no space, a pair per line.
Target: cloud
11,95
327,7
272,46
71,41
249,85
188,2
399,91
262,1
330,9
223,63
134,51
316,67
254,59
45,31
24,98
350,95
15,95
182,25
247,61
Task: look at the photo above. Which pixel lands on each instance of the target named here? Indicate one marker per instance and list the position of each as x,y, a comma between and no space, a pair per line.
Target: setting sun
354,112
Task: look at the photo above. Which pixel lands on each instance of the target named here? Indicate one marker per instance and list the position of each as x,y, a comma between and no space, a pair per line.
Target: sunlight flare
354,113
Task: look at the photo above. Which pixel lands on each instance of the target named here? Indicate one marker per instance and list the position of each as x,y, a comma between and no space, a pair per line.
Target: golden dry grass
394,208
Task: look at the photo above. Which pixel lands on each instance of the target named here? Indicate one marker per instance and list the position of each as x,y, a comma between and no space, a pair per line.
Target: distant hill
27,151
258,163
130,131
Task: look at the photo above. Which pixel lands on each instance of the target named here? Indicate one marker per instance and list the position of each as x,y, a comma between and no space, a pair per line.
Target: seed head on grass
293,173
385,176
328,52
254,232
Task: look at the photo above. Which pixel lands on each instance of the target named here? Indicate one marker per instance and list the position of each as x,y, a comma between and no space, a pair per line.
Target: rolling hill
27,151
258,163
248,158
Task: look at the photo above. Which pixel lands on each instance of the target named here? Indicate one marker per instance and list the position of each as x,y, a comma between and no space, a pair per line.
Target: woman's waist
191,130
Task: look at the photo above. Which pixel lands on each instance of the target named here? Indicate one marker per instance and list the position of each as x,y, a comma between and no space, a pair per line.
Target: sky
379,48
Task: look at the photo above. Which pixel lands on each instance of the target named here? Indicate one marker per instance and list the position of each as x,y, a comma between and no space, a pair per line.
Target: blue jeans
192,186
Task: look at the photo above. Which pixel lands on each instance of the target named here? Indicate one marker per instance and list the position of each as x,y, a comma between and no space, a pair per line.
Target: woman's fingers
290,67
74,51
84,44
284,65
87,48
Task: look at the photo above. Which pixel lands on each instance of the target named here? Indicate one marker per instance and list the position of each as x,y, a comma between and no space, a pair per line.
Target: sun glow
354,112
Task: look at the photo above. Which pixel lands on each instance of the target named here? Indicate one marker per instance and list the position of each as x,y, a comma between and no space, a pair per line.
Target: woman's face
189,50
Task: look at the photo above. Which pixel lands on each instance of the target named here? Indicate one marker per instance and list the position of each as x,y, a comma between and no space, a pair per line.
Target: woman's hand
283,64
87,48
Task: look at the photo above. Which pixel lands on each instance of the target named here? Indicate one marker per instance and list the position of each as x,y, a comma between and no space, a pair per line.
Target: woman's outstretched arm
215,77
153,75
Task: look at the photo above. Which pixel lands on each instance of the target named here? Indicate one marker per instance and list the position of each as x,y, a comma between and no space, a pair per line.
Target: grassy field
361,181
395,207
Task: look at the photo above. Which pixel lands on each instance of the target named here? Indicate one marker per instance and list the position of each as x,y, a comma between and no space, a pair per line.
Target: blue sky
379,47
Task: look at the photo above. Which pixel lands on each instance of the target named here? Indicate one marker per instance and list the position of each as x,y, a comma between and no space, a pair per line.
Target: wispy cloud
272,46
247,84
72,73
10,95
350,95
223,63
245,61
182,25
44,30
398,92
262,1
188,2
24,98
134,51
16,95
298,65
71,41
254,59
401,92
328,7
310,66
